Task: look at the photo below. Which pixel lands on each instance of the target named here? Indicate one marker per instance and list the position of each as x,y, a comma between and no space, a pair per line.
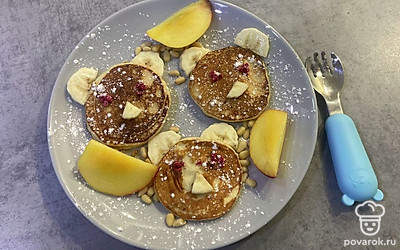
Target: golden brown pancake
122,83
214,75
217,162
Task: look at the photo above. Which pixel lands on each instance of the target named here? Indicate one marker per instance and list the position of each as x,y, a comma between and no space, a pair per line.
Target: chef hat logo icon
369,214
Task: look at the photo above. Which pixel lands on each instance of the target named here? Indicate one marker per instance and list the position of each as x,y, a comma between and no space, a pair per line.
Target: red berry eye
215,75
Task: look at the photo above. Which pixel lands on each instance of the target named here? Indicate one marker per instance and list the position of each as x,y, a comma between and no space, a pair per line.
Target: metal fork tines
327,77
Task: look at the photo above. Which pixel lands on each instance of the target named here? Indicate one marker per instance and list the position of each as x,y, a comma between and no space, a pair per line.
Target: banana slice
237,89
151,60
130,111
190,57
254,40
79,84
221,132
160,144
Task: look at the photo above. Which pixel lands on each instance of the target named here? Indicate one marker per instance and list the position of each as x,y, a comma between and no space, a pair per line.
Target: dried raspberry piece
178,165
244,69
216,159
105,99
215,75
140,88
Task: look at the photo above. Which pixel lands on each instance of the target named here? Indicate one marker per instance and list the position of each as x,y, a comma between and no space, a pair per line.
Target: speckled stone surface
36,38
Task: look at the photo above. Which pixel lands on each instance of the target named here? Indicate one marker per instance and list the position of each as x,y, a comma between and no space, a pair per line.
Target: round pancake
210,95
173,187
121,82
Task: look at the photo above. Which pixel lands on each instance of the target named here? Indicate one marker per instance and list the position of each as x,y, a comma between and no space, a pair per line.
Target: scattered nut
156,47
175,129
145,48
174,73
250,182
240,131
166,56
246,134
244,169
197,44
242,145
245,124
138,50
150,192
147,160
178,49
143,152
142,191
174,53
244,155
244,177
134,153
250,124
145,44
162,48
146,199
169,219
167,48
155,198
179,222
180,80
245,163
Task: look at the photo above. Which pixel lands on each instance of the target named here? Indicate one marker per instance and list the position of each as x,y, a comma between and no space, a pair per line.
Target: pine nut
242,145
146,199
197,44
174,53
246,134
244,169
244,177
169,219
162,48
174,73
138,50
178,49
145,44
143,152
180,80
179,222
244,155
250,124
150,192
175,129
244,163
166,56
251,183
147,160
156,47
134,153
240,131
146,48
155,198
167,48
245,124
142,191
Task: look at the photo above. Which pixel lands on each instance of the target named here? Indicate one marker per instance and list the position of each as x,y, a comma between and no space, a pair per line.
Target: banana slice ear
254,40
151,60
79,84
190,57
161,144
221,132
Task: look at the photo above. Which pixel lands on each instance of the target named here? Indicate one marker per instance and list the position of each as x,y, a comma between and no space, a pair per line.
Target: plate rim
253,229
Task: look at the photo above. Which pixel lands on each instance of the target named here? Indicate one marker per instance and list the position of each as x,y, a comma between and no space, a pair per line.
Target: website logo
370,214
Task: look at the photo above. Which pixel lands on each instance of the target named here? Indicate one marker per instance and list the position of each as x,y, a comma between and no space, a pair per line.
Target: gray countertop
37,37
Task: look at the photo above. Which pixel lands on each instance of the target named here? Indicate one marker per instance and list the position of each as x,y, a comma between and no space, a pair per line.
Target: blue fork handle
354,173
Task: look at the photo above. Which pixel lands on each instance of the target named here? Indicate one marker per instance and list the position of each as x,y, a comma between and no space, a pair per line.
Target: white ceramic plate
126,218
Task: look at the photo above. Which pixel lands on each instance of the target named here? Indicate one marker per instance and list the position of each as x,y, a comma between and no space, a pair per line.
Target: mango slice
185,26
266,141
109,171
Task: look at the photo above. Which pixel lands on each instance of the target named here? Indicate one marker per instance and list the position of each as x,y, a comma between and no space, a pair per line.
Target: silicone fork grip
354,173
